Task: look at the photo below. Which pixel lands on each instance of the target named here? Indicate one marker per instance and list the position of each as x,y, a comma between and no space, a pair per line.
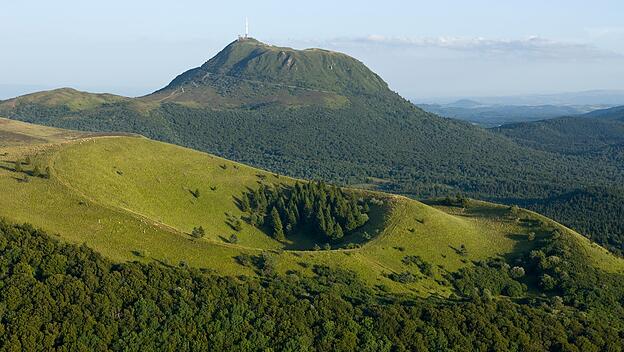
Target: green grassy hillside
130,198
73,99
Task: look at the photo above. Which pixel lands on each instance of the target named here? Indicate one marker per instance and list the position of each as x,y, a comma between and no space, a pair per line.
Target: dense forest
322,210
581,135
57,296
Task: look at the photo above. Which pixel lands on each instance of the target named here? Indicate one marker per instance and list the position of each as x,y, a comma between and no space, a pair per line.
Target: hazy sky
421,48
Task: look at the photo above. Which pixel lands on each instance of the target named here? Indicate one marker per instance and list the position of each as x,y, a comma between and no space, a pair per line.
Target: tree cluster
326,210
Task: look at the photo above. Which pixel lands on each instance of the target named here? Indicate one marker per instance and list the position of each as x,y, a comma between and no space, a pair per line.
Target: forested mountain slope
589,135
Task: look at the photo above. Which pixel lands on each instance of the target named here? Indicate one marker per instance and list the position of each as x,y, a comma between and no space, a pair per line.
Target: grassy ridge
73,99
129,198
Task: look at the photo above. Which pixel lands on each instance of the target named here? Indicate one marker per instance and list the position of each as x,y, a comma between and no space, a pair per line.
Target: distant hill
464,103
589,133
589,97
314,69
496,115
317,114
615,113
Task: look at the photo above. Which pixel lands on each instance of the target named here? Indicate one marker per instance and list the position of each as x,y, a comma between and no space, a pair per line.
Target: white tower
246,28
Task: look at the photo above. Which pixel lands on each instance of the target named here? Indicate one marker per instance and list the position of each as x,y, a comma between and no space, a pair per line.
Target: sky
423,49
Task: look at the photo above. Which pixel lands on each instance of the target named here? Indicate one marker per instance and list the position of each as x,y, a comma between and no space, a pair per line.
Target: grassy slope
75,100
312,68
148,208
157,180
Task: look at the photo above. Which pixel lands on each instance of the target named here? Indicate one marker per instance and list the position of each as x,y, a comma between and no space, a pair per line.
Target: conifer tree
278,228
245,203
338,233
292,219
320,221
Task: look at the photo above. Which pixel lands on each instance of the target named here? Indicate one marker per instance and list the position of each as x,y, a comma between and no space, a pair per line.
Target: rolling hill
317,114
125,210
588,134
131,198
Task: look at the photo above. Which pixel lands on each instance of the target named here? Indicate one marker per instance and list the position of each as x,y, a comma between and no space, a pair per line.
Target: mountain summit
252,64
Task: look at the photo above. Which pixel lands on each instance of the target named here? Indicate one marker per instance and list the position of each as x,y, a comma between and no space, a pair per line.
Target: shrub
195,193
267,264
198,232
517,272
547,282
404,277
237,225
463,251
141,253
424,267
18,166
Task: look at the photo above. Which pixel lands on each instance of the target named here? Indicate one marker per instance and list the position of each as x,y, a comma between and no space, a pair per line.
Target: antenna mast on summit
246,27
